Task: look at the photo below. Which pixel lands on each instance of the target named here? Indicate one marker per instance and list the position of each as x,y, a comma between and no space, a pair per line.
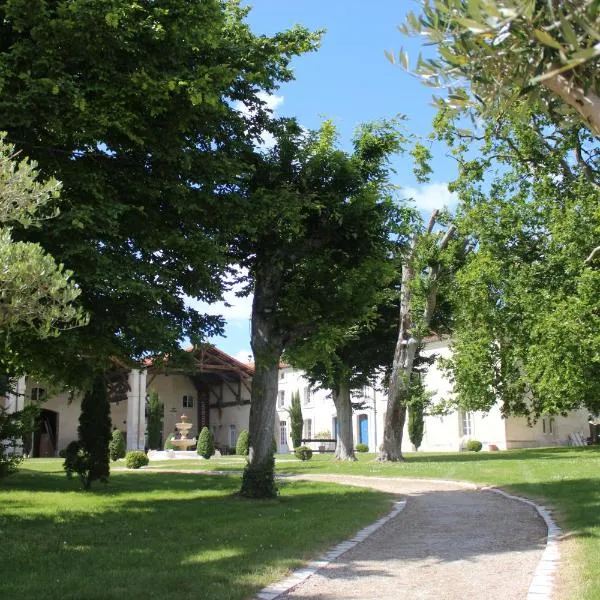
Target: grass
564,479
155,535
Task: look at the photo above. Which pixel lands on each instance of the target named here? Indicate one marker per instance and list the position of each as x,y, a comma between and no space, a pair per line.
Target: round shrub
206,445
473,445
362,448
117,447
243,443
303,453
136,459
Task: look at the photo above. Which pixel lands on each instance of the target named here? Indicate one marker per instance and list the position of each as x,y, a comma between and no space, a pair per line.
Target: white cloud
239,309
272,102
244,356
431,196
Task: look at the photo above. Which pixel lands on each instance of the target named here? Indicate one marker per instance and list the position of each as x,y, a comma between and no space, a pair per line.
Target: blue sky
350,81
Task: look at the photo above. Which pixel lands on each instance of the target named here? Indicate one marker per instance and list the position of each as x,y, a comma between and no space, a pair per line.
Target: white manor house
216,393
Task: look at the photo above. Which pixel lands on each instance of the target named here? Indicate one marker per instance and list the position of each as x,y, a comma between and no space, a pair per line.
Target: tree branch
592,255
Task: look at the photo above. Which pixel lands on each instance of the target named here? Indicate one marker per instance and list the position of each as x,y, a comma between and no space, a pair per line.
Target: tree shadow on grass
195,543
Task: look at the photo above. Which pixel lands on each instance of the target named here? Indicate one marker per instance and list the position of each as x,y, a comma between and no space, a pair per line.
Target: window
232,436
282,433
308,429
552,425
280,399
466,423
543,425
307,395
38,393
188,402
281,373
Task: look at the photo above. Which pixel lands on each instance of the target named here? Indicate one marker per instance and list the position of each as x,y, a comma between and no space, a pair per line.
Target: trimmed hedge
473,445
136,459
206,445
362,448
117,448
303,453
242,446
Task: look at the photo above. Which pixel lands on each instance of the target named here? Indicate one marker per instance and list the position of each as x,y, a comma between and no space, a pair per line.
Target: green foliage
136,459
117,446
205,446
258,479
416,424
92,460
507,49
529,295
155,421
13,428
303,453
153,115
76,458
296,419
362,447
418,400
473,445
37,293
242,445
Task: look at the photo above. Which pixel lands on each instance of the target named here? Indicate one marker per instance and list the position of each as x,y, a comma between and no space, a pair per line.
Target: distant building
215,392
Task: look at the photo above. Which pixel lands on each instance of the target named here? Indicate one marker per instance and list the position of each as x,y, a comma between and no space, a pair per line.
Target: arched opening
46,436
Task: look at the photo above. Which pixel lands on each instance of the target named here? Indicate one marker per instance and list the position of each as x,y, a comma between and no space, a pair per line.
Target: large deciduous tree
314,221
527,299
135,107
492,52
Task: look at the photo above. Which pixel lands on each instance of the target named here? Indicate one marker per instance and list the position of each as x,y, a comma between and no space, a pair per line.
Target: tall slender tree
315,220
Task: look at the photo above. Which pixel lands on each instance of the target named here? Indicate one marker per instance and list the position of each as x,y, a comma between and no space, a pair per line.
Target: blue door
363,429
336,428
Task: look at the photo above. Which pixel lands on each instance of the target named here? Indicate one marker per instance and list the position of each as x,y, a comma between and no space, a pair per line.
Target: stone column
136,410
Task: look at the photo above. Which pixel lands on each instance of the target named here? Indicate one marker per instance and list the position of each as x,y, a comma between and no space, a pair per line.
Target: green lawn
152,534
155,535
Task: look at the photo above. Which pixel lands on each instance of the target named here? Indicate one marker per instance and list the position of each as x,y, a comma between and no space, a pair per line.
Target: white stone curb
277,589
541,586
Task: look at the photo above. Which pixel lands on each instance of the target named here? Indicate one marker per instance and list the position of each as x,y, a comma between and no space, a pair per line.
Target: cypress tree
94,433
155,421
296,419
206,446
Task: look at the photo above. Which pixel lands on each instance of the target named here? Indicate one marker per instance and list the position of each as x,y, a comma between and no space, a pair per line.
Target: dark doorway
46,437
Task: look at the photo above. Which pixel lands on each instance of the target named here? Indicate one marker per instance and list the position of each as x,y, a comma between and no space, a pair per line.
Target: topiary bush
156,411
75,458
117,447
303,453
258,480
242,446
206,445
362,448
473,445
136,459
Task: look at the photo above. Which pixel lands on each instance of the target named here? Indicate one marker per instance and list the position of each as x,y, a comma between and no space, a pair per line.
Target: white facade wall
320,411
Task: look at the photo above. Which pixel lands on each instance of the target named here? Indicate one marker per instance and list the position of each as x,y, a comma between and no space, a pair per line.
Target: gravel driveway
451,542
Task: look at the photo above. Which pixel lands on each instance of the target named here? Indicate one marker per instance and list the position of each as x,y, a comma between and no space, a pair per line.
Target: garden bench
324,445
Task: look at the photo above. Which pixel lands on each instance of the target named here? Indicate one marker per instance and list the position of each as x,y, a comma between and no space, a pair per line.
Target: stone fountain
181,444
183,428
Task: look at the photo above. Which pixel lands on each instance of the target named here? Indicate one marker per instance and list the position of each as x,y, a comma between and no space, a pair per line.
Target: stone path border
543,578
276,589
539,589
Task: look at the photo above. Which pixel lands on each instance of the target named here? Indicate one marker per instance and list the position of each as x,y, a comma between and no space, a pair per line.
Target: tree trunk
267,345
404,355
408,343
344,449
